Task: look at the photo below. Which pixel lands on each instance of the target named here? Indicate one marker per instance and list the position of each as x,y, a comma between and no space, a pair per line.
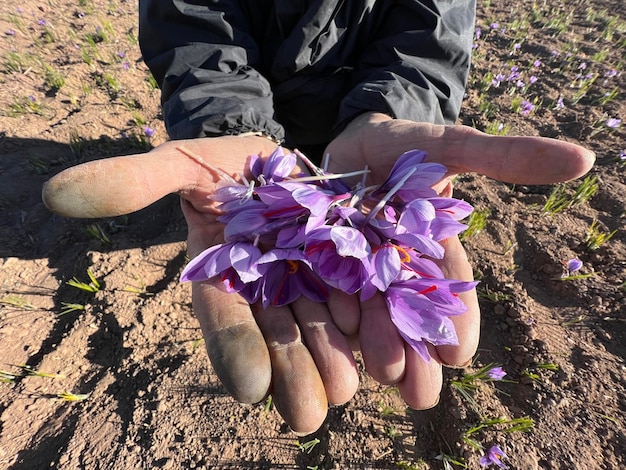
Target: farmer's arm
203,58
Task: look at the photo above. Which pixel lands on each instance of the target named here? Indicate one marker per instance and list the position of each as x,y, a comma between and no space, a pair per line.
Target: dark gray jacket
300,70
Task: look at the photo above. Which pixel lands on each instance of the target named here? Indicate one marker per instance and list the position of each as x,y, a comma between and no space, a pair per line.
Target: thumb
514,159
113,186
121,185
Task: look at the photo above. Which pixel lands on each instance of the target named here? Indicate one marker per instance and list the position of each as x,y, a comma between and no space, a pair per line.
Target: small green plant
7,377
558,200
97,232
70,307
25,105
17,302
392,432
69,396
476,223
450,460
524,424
493,296
497,128
307,447
53,80
28,370
596,237
93,286
470,382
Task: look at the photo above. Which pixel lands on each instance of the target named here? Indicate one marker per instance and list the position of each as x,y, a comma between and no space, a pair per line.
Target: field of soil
119,378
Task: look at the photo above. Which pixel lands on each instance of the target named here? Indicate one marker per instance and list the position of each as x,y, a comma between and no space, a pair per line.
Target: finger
455,265
421,385
121,185
329,348
234,342
512,159
297,388
381,344
345,310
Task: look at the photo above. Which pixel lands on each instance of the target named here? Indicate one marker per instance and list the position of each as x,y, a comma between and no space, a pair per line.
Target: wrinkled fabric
300,70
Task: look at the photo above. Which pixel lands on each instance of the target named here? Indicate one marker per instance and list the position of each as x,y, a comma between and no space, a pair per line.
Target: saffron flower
148,131
496,373
494,456
613,123
290,235
574,265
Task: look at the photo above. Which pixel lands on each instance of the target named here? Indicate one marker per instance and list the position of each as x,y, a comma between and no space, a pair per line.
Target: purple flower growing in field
559,103
494,456
537,63
497,80
41,22
526,107
126,65
622,155
10,32
478,33
533,79
121,54
496,373
574,265
149,131
613,123
495,25
610,73
517,46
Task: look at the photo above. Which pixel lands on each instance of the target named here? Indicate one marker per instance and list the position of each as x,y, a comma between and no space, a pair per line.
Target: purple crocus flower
613,123
420,309
527,107
574,265
317,233
496,373
149,131
288,275
341,256
494,456
276,167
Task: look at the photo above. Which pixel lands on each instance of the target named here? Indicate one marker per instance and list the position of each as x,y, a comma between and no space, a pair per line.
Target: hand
250,355
376,140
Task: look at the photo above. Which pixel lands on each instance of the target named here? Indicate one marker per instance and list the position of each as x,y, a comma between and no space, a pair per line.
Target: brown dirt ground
154,401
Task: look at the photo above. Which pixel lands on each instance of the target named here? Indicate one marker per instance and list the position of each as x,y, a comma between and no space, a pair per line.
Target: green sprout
308,446
17,302
450,460
470,382
28,370
69,396
96,231
524,424
7,377
476,223
93,286
596,237
559,200
67,307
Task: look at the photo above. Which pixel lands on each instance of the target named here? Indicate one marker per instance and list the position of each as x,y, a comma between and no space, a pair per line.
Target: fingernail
458,366
430,406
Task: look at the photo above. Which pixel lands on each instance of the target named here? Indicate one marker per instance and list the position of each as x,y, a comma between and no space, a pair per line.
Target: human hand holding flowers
300,352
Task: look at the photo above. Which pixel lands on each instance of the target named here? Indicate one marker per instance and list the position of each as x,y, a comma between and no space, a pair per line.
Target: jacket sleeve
202,56
416,64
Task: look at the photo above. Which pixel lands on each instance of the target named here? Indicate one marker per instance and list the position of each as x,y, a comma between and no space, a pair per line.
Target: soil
73,88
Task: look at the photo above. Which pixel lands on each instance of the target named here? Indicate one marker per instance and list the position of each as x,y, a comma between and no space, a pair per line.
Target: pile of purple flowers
289,236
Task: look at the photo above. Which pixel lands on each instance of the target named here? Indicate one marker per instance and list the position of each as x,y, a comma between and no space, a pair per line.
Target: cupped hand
296,352
376,141
300,353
